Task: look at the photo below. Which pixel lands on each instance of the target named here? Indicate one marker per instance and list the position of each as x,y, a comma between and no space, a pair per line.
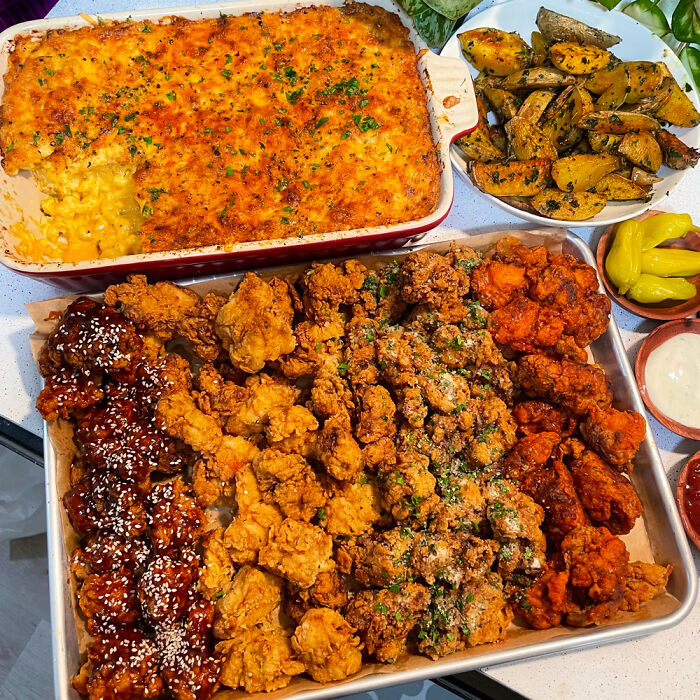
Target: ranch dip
672,376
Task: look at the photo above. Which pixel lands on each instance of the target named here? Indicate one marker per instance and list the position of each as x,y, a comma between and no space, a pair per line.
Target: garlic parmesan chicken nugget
255,324
327,646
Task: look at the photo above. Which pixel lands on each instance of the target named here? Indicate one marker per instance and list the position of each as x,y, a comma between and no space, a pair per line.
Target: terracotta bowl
680,501
665,310
656,338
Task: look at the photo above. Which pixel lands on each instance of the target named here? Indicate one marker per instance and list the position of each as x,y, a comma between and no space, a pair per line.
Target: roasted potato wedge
616,93
603,143
498,136
644,78
495,52
677,155
515,178
601,80
617,122
540,49
618,188
578,173
527,140
477,144
559,122
534,78
570,206
678,109
522,203
534,105
505,104
579,59
556,27
653,103
641,149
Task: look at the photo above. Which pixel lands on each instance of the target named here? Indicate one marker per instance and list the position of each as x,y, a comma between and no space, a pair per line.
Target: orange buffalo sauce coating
225,130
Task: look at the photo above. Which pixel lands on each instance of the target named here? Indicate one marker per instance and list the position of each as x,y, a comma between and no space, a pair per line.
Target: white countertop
663,665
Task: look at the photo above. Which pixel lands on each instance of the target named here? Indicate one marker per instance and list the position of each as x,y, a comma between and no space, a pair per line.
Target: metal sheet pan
667,542
442,78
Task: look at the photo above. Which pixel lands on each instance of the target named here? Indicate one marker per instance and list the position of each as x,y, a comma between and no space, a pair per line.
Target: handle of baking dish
453,100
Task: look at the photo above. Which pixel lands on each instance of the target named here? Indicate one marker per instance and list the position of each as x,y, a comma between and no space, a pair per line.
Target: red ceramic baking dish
452,109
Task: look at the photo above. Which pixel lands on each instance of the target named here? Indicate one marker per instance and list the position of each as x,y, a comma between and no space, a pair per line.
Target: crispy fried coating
319,348
458,349
534,259
493,433
496,283
180,418
530,454
526,326
258,660
382,558
354,508
608,497
597,563
544,603
614,435
289,481
384,618
169,311
248,531
255,324
329,591
408,487
331,398
376,415
176,520
552,487
476,613
297,551
327,646
217,566
289,421
644,582
325,287
540,417
577,387
218,397
249,600
451,557
338,452
428,278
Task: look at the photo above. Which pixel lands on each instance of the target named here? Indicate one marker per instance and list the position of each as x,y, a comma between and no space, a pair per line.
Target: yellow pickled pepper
671,262
623,263
651,289
664,227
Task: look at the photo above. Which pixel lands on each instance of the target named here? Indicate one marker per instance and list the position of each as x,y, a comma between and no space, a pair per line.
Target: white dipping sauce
672,376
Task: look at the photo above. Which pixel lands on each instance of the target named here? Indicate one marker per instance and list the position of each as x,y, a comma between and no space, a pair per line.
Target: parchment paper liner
44,315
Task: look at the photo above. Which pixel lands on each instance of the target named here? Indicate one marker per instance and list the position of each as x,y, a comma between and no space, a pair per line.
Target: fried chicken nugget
496,283
608,497
180,418
578,387
298,551
255,324
540,417
384,618
338,451
327,646
614,435
644,582
376,419
525,325
258,660
249,530
428,278
248,601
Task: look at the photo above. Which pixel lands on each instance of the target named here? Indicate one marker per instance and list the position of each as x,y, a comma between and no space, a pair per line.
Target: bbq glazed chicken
350,464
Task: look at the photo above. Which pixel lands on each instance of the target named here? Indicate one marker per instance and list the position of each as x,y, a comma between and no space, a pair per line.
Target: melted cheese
154,137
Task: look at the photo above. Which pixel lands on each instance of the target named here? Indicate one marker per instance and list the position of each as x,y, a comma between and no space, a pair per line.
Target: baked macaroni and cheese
157,136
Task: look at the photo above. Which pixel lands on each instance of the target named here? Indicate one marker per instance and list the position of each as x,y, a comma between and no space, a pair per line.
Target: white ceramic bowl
638,44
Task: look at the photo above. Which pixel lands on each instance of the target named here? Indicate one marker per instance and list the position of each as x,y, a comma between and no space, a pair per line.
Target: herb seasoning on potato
576,126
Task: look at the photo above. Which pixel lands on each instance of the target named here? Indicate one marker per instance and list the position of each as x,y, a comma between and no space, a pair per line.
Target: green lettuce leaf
435,28
452,9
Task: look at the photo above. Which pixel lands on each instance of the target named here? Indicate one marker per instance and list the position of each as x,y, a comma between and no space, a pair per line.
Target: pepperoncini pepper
623,263
663,227
650,289
671,262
